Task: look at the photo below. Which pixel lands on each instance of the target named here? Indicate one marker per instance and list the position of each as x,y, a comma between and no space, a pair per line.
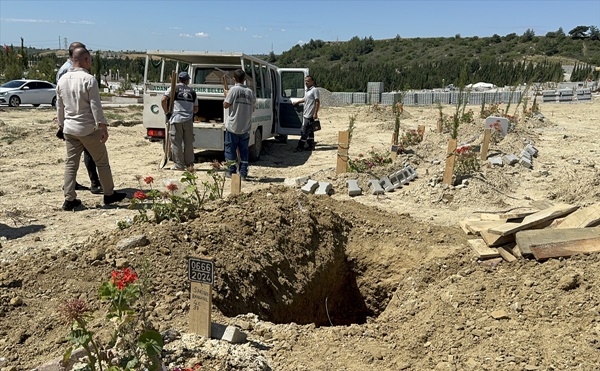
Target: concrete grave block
525,163
227,333
325,188
296,182
393,178
497,161
502,121
353,188
510,159
411,171
532,150
386,184
527,155
310,186
375,187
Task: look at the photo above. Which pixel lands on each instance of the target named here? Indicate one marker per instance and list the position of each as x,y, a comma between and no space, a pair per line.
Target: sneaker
96,189
178,168
115,197
71,205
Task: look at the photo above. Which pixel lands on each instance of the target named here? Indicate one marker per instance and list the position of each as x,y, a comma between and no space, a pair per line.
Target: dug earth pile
316,282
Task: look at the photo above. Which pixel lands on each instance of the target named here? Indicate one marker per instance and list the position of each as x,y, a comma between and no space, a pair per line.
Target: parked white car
36,92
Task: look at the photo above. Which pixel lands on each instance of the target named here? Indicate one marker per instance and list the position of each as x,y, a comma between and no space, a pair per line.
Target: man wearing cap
182,123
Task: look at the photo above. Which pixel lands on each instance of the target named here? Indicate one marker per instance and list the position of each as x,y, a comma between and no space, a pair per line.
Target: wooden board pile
556,231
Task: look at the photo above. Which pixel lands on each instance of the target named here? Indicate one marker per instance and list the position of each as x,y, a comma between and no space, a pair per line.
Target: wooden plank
487,134
584,217
506,216
476,226
506,254
421,132
530,221
566,248
492,239
342,153
526,239
450,159
463,225
482,250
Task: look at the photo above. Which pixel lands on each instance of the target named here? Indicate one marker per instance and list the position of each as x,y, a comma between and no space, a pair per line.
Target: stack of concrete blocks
344,98
584,95
359,98
511,96
389,99
374,90
527,155
397,179
440,97
409,99
476,97
425,98
549,96
565,95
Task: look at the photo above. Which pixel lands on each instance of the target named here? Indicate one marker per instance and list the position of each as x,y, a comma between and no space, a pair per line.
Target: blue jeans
233,142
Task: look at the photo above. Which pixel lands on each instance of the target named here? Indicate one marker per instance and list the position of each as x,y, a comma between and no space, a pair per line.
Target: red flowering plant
133,345
179,201
466,161
364,163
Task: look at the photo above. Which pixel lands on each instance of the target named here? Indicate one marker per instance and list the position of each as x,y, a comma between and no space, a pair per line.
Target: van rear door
290,88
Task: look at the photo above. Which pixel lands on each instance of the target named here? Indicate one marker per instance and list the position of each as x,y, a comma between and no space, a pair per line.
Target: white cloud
240,29
257,36
175,28
185,35
282,30
201,35
227,28
29,20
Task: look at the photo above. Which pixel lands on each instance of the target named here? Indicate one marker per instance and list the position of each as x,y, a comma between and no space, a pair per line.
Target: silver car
36,92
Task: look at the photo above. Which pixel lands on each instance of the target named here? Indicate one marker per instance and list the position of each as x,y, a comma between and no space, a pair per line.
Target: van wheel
256,148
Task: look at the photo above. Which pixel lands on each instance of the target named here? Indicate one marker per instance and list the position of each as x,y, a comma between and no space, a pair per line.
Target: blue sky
258,27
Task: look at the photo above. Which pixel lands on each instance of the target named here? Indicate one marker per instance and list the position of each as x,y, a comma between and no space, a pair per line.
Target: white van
275,115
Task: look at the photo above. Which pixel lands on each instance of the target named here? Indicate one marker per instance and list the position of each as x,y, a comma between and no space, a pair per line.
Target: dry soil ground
317,282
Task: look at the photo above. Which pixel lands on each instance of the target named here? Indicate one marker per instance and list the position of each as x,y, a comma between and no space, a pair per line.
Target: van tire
256,148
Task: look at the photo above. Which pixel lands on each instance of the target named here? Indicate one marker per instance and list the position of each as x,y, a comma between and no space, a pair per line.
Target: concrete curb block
325,188
375,187
353,188
310,186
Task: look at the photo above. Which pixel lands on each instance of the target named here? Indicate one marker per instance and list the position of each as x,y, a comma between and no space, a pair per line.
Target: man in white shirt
80,115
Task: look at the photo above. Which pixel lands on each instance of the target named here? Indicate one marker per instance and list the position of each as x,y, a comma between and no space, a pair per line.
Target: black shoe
71,205
96,189
115,197
298,149
311,148
80,187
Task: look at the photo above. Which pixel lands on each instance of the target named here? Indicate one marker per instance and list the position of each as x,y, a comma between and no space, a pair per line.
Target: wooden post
450,158
487,134
421,131
201,275
439,125
342,154
394,149
236,184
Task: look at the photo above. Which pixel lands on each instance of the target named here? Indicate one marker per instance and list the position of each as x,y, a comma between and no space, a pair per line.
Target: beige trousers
97,150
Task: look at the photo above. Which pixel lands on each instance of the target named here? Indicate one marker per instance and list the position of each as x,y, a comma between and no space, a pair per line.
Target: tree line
400,63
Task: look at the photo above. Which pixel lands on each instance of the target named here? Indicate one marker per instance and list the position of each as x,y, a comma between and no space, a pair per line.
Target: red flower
140,195
121,278
172,187
148,179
